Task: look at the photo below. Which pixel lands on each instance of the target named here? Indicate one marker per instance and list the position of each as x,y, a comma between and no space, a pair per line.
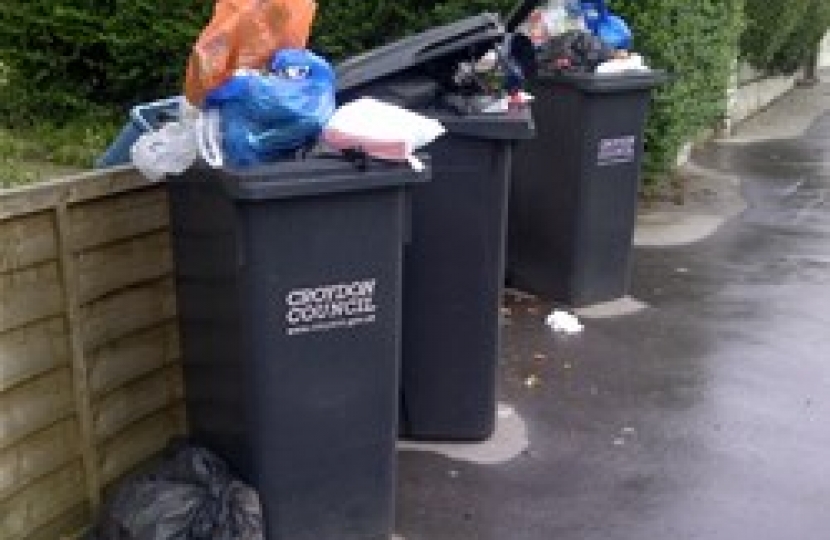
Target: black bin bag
189,495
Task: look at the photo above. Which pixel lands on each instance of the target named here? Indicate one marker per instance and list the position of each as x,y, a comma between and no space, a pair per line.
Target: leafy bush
695,41
65,56
68,56
781,34
346,28
804,41
769,24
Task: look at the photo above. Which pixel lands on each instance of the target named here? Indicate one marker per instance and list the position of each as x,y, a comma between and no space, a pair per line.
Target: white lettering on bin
320,309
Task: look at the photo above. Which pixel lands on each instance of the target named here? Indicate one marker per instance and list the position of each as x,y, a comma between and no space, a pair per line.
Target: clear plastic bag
555,18
171,149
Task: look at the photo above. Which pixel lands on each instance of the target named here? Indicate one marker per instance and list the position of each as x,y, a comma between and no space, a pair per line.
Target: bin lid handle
357,157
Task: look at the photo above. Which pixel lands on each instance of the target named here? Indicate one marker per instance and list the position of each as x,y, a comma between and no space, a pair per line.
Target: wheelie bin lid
512,126
449,43
478,34
313,176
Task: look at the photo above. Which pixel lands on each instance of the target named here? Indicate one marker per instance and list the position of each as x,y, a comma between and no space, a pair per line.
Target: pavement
696,408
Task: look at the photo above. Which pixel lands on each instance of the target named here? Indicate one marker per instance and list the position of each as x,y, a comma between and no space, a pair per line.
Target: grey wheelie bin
575,187
454,265
288,280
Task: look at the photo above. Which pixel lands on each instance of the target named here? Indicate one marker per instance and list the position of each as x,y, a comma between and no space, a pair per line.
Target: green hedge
68,57
345,28
695,41
780,35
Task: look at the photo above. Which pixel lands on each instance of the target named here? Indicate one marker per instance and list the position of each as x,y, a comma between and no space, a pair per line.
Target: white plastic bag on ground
562,321
381,130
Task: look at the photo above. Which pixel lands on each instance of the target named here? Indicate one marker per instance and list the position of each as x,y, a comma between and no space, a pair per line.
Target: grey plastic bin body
288,281
453,282
454,265
575,187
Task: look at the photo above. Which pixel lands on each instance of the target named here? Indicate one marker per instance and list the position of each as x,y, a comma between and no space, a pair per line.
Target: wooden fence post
80,374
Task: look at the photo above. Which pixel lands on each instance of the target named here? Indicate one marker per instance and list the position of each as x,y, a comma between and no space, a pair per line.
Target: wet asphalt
705,416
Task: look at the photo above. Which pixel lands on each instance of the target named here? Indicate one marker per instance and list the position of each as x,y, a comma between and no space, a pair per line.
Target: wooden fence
90,380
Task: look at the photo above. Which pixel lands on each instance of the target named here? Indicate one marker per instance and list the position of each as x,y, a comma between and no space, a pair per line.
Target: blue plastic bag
611,29
268,116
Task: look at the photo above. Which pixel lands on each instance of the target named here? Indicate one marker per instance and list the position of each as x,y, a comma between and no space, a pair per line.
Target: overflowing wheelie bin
453,270
575,186
288,280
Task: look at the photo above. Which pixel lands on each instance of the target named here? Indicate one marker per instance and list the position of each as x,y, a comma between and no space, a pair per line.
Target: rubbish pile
254,94
581,36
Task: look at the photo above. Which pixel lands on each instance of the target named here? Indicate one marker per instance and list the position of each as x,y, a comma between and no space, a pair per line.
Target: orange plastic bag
245,34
